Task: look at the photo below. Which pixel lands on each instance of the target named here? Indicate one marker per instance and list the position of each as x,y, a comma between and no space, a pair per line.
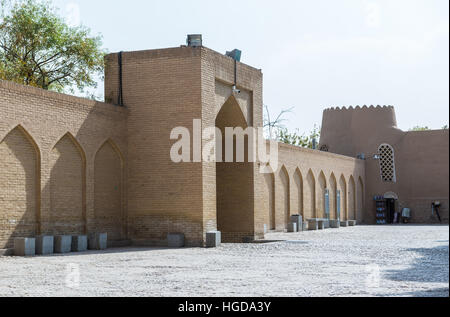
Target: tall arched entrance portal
234,178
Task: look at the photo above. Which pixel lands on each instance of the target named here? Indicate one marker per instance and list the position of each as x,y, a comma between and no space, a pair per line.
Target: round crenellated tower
354,130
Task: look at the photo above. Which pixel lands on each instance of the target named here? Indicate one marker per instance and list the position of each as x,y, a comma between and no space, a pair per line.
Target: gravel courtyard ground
358,261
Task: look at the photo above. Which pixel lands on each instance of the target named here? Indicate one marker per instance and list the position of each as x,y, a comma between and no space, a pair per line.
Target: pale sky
314,54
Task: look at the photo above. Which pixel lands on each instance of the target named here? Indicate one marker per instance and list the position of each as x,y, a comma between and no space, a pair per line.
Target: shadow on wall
431,267
67,188
19,178
234,180
108,191
80,194
307,196
85,191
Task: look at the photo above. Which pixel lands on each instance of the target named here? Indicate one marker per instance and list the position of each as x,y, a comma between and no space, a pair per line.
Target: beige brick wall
71,165
332,187
67,187
162,90
276,195
108,191
297,193
48,143
342,187
19,180
89,166
234,209
421,159
307,172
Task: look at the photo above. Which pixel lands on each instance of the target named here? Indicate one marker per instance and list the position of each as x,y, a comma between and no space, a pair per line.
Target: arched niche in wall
284,199
310,195
351,199
234,180
298,180
20,178
332,194
322,182
108,190
269,198
68,187
360,198
343,198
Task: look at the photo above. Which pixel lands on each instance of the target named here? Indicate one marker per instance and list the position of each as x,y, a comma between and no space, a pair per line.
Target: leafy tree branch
38,48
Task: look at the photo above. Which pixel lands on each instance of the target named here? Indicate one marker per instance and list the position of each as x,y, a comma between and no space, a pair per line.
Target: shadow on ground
435,292
109,251
431,267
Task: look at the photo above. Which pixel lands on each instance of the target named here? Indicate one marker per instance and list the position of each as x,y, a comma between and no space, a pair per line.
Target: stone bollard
79,243
292,227
305,226
44,245
98,241
335,224
63,244
24,246
175,240
213,239
321,224
298,220
313,224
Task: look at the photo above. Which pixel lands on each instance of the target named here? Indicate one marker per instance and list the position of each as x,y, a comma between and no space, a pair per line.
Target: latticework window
387,163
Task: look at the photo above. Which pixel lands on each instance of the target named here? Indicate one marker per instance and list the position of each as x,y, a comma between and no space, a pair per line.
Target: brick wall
421,159
162,90
48,147
67,187
19,196
108,191
306,174
77,166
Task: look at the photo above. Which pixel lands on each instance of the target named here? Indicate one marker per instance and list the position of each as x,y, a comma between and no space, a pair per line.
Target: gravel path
357,261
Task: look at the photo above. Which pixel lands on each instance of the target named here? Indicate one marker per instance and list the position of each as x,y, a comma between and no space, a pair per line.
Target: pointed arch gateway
108,190
20,162
234,180
68,187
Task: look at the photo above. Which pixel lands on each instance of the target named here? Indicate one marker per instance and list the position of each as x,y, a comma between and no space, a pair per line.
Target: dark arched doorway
234,180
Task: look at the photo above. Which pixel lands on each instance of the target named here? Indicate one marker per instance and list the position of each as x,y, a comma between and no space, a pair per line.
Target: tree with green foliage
274,125
275,129
297,139
38,48
419,128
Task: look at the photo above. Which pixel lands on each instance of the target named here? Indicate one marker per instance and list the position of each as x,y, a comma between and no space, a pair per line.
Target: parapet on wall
62,162
346,130
420,158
